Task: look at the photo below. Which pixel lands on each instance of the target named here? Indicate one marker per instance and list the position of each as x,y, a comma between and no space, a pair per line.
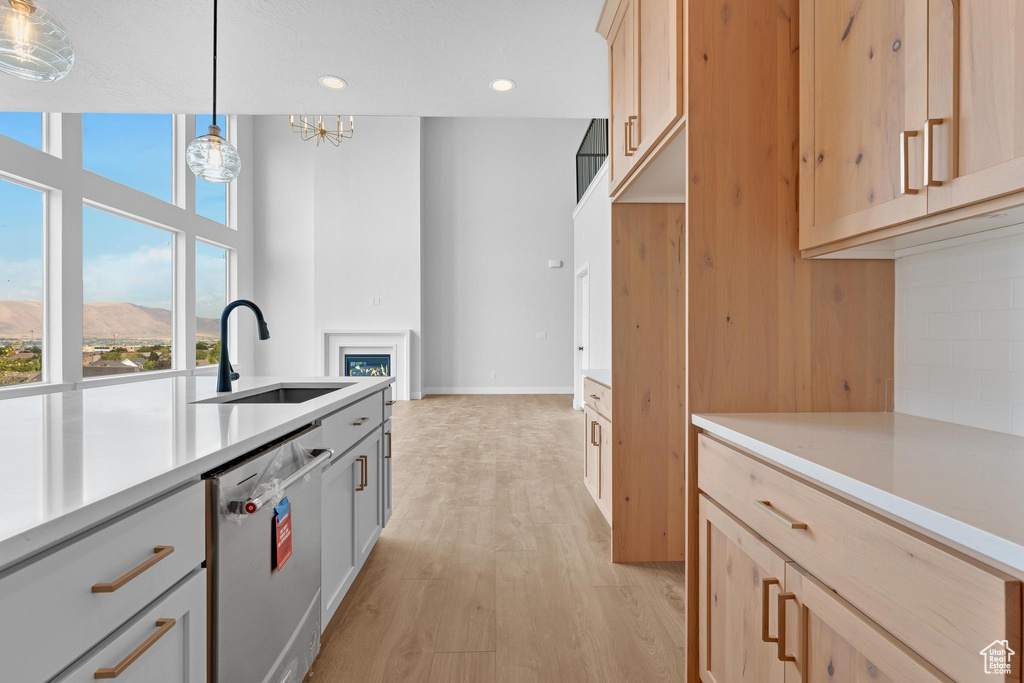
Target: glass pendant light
33,44
210,156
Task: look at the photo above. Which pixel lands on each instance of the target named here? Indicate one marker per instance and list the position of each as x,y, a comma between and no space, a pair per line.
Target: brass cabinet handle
627,124
389,403
163,626
362,472
388,434
599,456
360,421
593,439
766,585
159,553
904,162
632,147
767,506
595,397
783,657
929,157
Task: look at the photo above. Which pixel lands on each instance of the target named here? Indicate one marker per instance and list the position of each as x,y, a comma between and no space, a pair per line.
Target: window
211,297
136,150
212,198
128,280
21,284
26,127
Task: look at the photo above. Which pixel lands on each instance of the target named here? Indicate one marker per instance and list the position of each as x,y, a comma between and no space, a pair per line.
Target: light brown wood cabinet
792,576
645,42
908,109
597,456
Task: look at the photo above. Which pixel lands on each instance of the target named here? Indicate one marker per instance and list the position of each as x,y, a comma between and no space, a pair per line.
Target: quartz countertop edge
44,535
939,526
599,375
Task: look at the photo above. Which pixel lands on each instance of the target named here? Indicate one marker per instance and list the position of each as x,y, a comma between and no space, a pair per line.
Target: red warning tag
282,534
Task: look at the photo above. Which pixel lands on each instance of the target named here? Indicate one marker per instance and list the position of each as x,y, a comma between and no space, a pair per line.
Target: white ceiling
399,57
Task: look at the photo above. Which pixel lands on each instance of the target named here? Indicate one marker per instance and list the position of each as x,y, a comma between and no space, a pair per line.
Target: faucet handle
234,376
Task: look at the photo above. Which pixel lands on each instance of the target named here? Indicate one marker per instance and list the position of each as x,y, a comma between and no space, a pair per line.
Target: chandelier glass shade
33,44
210,156
309,128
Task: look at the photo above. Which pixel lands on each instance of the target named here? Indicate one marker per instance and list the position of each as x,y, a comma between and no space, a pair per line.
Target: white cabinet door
386,474
369,512
164,644
338,555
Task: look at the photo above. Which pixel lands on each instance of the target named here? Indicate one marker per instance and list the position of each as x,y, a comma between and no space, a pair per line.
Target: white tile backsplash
960,334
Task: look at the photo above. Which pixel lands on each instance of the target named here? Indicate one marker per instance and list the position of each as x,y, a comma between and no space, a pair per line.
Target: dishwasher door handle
253,505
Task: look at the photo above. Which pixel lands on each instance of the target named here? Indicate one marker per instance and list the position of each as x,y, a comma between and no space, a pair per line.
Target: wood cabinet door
863,102
622,86
592,464
826,640
740,579
659,85
975,100
604,487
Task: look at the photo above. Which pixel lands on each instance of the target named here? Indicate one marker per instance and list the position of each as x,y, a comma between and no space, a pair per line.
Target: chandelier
310,130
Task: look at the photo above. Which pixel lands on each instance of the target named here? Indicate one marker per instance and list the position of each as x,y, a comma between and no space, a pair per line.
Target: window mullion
63,297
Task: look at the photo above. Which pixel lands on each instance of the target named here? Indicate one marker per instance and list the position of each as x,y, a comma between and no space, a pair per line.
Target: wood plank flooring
494,566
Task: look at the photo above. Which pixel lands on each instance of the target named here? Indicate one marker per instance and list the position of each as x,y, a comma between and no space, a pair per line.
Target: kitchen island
106,515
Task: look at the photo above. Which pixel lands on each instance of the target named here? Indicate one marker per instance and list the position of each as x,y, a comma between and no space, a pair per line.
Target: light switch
542,335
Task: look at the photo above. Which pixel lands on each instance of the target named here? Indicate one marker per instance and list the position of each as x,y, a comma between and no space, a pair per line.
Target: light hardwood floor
494,566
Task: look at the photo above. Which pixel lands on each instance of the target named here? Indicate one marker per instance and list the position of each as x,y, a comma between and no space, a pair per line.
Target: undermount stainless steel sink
279,393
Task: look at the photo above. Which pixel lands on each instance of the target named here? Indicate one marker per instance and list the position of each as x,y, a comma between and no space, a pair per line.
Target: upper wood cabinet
908,109
645,78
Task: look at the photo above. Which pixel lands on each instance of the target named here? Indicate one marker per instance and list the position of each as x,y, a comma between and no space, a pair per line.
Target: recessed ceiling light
502,84
332,82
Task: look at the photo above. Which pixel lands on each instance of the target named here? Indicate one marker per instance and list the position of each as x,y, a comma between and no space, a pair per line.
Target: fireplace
367,365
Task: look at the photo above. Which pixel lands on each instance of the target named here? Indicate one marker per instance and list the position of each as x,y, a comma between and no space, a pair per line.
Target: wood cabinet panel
604,488
864,84
659,39
832,642
622,85
740,579
591,464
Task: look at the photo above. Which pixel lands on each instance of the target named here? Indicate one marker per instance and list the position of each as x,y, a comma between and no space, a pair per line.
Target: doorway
582,356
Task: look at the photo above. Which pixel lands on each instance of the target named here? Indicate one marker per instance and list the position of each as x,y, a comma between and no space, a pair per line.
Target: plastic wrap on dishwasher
267,488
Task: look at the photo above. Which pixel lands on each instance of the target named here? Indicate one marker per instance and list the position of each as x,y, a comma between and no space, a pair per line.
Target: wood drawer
944,606
178,655
389,400
598,397
59,617
347,427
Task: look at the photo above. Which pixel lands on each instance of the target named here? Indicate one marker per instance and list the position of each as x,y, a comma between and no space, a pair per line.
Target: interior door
740,579
369,513
338,555
584,331
622,54
975,100
827,640
864,99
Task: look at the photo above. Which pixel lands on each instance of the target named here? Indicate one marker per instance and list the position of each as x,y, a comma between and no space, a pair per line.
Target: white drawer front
59,614
166,644
344,429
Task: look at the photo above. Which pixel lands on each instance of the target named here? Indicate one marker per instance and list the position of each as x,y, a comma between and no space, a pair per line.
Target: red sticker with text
282,534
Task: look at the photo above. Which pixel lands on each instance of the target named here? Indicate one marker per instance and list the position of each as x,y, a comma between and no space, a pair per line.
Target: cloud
21,280
142,277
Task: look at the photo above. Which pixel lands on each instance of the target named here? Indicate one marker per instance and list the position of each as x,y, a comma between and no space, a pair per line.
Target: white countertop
602,375
73,459
954,483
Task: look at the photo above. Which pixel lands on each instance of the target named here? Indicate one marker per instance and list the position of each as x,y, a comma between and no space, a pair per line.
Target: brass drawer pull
766,505
593,439
595,397
632,120
159,553
783,597
905,162
390,403
765,591
388,434
163,626
627,124
360,421
929,158
362,472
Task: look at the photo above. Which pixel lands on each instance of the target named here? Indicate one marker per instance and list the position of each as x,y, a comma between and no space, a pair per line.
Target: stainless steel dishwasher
264,621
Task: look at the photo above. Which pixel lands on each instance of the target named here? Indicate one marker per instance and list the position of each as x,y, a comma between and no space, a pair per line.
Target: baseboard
415,395
498,390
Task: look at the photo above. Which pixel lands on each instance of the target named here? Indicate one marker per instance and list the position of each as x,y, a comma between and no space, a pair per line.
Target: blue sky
122,260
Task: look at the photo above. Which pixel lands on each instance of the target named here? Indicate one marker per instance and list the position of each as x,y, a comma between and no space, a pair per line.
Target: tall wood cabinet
908,109
645,42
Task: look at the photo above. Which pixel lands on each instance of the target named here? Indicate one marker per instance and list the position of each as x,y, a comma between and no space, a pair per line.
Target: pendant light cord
214,122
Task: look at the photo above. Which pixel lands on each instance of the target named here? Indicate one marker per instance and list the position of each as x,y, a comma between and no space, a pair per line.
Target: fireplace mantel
335,343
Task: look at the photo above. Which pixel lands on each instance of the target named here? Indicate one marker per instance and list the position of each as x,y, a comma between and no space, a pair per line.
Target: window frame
57,171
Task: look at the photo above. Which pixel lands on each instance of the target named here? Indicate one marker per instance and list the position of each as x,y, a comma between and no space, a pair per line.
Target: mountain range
101,320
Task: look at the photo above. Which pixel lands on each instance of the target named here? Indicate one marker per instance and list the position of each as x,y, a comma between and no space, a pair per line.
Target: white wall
498,196
592,247
960,333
